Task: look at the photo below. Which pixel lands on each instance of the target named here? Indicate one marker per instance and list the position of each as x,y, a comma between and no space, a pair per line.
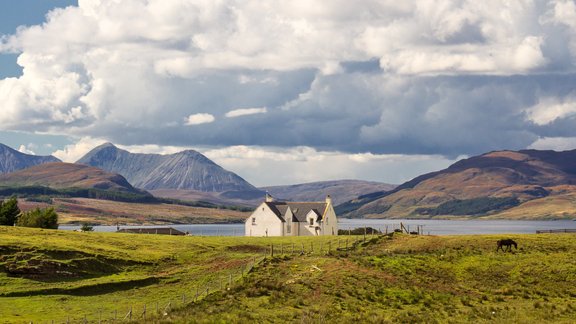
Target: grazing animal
506,245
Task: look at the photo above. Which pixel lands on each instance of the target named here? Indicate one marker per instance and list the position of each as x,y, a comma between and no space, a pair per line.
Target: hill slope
488,184
12,160
59,175
184,170
340,190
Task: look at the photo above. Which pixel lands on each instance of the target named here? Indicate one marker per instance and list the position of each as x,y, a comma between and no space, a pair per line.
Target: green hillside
55,275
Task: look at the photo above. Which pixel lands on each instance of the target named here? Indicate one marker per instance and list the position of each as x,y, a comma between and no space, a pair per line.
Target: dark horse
506,243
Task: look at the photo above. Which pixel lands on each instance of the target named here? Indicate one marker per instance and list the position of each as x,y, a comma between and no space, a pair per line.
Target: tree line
11,215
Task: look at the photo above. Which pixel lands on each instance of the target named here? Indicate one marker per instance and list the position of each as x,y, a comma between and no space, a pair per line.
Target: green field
54,275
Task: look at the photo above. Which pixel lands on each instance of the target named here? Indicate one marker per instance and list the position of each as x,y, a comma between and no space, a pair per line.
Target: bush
86,228
359,231
42,218
9,211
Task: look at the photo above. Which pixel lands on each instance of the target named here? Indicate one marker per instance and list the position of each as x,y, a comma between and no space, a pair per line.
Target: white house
287,218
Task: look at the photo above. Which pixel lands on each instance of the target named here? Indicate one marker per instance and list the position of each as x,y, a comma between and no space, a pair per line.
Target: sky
285,92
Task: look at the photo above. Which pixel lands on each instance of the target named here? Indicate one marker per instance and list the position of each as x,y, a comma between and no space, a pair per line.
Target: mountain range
501,184
512,184
186,170
12,160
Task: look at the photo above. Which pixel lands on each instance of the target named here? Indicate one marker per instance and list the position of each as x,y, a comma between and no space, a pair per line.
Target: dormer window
253,220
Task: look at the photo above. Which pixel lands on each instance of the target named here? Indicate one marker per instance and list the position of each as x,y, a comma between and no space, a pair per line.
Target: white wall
330,223
266,223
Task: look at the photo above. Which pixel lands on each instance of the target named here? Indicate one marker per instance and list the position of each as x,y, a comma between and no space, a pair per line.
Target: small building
287,218
150,230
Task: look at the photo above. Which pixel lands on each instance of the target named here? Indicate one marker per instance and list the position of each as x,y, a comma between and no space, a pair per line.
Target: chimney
328,200
269,197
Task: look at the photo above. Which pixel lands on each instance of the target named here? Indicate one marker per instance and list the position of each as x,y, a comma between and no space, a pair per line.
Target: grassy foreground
54,275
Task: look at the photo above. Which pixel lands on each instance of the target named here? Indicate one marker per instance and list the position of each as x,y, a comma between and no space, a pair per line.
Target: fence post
272,250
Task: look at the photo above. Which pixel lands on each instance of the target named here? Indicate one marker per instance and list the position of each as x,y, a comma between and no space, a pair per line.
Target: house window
253,220
311,221
288,228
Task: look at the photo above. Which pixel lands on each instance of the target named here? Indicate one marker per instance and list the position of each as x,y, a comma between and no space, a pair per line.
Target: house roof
299,209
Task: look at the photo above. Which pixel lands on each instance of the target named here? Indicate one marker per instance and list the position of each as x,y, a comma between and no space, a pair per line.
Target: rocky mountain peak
12,160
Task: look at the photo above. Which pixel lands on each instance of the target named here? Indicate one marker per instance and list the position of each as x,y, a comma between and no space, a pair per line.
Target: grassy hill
52,275
495,185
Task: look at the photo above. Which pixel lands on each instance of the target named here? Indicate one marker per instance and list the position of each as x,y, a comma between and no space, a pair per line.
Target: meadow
59,275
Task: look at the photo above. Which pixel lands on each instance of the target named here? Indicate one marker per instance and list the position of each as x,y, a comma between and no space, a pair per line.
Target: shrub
87,228
9,211
42,218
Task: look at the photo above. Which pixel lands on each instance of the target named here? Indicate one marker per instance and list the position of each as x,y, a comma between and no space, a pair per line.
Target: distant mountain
340,190
59,175
12,160
496,183
187,170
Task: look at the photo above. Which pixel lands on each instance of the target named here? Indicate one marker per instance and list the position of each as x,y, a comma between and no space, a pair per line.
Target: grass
451,279
401,278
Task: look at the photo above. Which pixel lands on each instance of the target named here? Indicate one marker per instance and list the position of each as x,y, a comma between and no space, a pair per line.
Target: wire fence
150,311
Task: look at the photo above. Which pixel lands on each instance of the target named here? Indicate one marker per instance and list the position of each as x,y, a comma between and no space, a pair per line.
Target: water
454,227
433,227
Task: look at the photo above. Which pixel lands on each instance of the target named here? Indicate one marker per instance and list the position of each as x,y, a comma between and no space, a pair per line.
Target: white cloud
387,77
25,150
550,109
246,112
73,152
275,166
554,143
198,119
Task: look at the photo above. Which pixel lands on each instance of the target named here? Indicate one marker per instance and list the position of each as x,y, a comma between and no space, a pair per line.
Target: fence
156,310
569,230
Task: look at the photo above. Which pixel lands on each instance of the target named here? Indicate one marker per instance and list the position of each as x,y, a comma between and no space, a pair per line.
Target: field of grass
52,275
418,279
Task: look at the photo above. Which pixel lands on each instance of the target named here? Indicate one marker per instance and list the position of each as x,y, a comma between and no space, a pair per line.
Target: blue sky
291,91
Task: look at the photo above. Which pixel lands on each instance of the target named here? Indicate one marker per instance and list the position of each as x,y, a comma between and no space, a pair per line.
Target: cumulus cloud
384,77
265,166
550,109
198,119
25,150
73,152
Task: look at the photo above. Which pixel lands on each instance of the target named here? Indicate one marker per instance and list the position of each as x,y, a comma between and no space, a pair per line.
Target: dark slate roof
299,209
149,230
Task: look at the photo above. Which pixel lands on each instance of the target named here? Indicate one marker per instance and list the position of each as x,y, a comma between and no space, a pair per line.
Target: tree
42,218
87,227
9,211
